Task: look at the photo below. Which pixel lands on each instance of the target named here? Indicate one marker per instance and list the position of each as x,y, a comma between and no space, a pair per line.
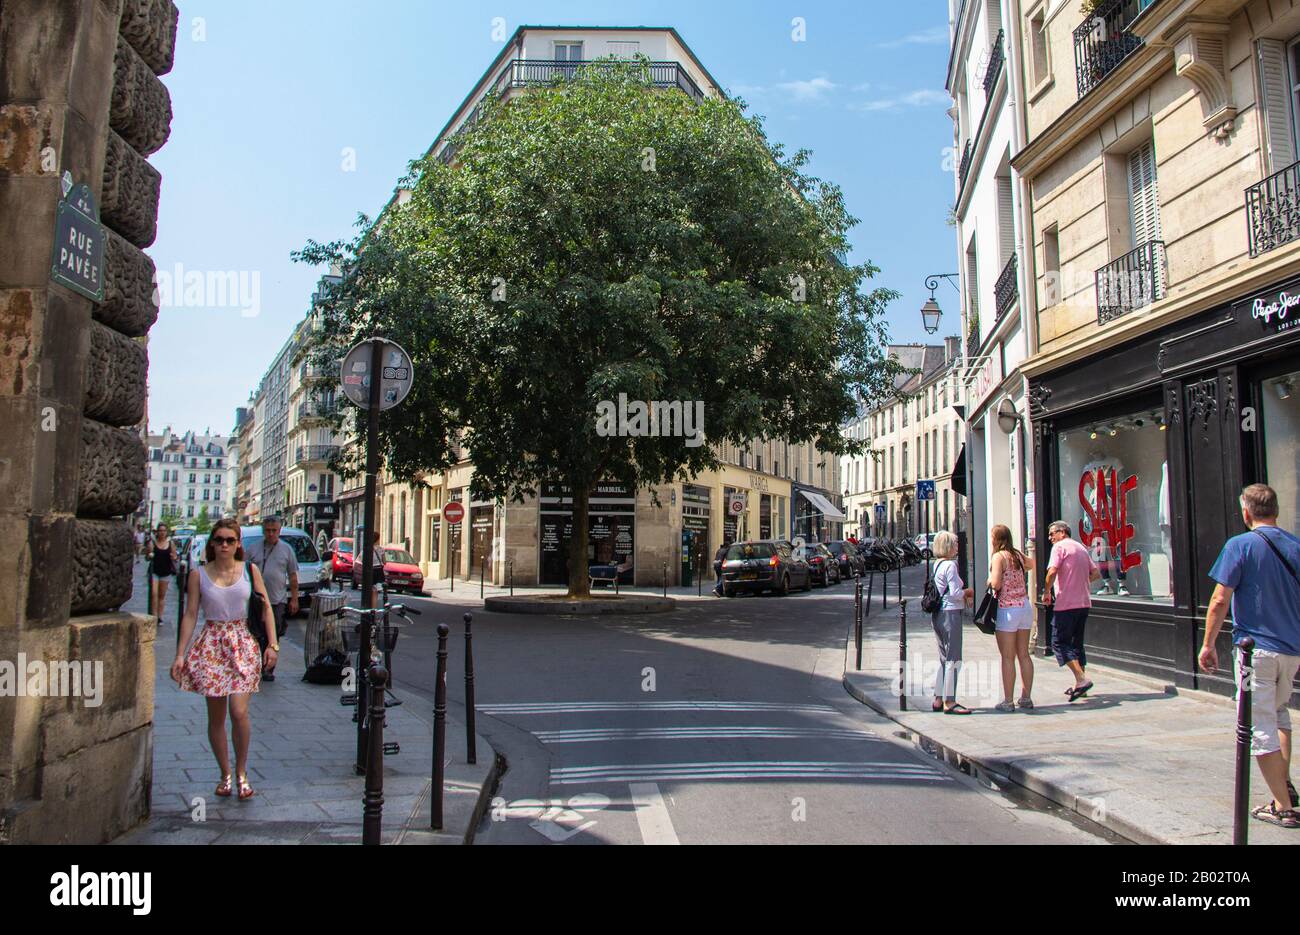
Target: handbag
986,616
256,621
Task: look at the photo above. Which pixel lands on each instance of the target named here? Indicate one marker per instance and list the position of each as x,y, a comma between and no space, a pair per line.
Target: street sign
78,258
800,547
925,490
880,512
396,377
453,512
736,505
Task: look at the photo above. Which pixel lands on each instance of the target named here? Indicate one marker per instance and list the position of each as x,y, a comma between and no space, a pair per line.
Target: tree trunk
579,582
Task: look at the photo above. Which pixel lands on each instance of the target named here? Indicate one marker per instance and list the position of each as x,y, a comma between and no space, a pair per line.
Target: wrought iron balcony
1133,281
1273,210
1102,41
965,162
319,410
307,454
973,340
523,73
997,58
1004,290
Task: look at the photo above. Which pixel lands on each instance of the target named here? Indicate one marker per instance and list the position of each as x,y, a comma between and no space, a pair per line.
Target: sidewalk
1150,762
468,590
300,762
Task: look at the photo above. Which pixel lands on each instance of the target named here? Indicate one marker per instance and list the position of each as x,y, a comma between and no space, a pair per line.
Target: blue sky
293,116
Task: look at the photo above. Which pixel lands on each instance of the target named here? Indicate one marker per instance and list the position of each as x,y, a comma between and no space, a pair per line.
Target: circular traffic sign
453,512
396,374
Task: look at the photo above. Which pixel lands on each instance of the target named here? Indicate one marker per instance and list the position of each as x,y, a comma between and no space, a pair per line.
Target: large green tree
599,237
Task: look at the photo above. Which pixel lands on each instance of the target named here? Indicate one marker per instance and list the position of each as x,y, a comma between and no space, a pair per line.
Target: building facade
185,474
1161,158
273,430
310,483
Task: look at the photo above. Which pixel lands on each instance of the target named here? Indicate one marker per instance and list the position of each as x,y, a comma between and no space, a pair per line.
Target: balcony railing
315,411
310,453
1273,210
1102,41
965,162
997,58
1004,290
1133,281
523,73
973,340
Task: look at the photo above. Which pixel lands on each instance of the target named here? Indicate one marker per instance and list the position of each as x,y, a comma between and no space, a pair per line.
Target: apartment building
245,429
185,474
272,429
311,442
787,489
915,436
986,83
1161,164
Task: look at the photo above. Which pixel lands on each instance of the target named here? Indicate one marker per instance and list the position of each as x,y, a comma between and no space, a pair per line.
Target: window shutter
1143,196
972,285
1276,100
1006,221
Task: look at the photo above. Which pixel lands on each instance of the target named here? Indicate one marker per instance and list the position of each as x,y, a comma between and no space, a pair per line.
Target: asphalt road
722,722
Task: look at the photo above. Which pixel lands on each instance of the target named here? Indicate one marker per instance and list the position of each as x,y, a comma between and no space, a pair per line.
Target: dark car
825,568
764,565
849,557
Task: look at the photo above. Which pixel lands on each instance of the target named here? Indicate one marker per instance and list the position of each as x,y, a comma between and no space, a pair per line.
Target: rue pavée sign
78,258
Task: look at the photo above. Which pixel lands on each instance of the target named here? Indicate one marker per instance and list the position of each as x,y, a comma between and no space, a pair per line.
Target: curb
641,604
1009,773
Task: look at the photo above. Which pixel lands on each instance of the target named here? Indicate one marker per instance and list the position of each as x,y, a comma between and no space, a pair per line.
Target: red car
401,571
341,558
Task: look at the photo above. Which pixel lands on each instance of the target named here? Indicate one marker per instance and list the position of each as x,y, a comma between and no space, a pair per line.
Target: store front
814,516
696,513
1143,450
611,530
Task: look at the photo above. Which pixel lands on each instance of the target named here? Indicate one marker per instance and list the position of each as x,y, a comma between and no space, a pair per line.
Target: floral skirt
224,660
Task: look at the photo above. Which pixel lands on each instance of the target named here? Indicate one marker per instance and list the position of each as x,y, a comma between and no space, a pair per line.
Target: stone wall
79,93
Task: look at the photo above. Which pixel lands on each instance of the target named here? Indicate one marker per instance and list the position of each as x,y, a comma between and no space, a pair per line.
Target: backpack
931,599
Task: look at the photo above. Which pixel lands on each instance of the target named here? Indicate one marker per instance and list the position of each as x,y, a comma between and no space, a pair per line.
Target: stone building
186,473
80,100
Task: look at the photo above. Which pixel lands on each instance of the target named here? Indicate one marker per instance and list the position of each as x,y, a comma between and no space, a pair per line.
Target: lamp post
930,311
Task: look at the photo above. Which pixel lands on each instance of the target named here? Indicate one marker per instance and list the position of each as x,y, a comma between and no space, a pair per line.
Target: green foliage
202,522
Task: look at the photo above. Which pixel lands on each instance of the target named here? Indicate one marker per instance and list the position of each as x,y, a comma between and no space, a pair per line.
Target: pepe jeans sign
1277,309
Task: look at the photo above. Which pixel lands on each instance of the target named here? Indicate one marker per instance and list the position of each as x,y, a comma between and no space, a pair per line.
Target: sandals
1080,692
1286,818
1025,703
223,787
937,705
1004,706
957,709
245,790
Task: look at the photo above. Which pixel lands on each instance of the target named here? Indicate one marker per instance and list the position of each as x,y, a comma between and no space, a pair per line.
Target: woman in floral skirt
224,664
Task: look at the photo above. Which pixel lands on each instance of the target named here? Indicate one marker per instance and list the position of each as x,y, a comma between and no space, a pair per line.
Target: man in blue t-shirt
1258,572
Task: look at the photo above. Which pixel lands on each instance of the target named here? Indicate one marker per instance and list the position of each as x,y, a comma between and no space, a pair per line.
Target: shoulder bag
1280,557
256,621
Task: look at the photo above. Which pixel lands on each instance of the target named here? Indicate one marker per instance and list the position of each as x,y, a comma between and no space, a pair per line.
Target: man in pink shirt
1070,571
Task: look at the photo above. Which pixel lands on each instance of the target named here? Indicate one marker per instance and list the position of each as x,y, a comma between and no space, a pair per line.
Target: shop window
1282,445
1114,493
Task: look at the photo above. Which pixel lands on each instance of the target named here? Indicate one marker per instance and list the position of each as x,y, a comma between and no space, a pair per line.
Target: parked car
340,557
925,542
825,567
313,573
764,565
849,557
401,571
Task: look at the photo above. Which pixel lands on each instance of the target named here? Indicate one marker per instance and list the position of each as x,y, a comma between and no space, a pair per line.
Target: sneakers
1105,589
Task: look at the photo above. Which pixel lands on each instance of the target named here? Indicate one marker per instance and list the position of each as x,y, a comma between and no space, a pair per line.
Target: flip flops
1080,692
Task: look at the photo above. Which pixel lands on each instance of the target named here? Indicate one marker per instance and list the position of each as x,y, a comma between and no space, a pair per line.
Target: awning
958,479
824,506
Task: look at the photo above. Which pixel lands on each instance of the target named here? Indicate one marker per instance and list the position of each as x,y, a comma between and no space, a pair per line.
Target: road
722,722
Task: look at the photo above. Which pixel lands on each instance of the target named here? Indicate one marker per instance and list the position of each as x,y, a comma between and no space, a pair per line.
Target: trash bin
323,648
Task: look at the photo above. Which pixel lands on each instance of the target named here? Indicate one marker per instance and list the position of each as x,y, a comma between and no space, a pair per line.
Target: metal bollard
482,575
180,600
902,655
1245,686
148,594
373,802
469,691
884,587
511,563
665,579
866,601
857,617
439,730
900,581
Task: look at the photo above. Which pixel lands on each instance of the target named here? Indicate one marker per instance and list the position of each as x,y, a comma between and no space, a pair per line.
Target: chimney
951,348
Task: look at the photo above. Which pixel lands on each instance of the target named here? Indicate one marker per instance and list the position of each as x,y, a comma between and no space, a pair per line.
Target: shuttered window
1006,222
1275,94
1144,200
624,49
972,285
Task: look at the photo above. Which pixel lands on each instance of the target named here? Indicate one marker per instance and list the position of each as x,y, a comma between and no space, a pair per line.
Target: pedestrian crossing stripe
562,707
669,772
596,735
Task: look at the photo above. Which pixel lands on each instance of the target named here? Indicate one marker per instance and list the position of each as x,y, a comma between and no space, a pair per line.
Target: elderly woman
947,622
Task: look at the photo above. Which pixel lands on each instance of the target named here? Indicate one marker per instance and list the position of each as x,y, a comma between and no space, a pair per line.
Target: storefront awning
824,506
958,479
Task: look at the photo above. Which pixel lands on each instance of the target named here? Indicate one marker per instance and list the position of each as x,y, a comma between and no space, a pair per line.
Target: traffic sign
396,377
925,490
736,505
453,512
800,548
880,512
78,258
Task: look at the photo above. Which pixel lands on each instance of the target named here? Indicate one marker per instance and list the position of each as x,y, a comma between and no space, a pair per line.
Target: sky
293,117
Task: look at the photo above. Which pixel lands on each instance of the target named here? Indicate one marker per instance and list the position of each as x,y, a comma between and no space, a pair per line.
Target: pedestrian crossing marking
725,732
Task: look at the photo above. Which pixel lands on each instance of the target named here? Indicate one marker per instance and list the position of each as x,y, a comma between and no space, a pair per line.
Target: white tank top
220,603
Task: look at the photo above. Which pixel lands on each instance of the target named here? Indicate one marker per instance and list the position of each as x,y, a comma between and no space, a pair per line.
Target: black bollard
900,580
884,587
373,802
469,690
857,617
148,595
1245,688
665,579
181,579
902,655
482,575
439,730
512,577
866,601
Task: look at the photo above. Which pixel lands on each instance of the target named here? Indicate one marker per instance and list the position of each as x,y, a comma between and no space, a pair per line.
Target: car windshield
344,547
743,550
398,557
303,548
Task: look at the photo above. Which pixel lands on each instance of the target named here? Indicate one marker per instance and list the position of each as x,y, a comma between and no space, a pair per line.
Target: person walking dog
947,623
1070,571
224,664
1258,574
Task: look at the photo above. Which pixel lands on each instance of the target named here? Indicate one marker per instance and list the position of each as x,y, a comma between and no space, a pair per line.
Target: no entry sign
453,512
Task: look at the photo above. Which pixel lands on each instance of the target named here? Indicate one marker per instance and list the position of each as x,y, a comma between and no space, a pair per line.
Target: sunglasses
224,540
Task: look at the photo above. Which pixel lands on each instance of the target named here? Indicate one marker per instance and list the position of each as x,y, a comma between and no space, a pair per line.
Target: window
934,451
568,51
1006,222
1282,444
904,462
972,286
623,49
1051,266
923,469
189,511
891,465
206,494
1114,492
1144,201
903,410
1039,64
1277,83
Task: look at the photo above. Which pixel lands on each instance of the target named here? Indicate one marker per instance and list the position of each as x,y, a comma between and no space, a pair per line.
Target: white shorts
1274,673
1011,619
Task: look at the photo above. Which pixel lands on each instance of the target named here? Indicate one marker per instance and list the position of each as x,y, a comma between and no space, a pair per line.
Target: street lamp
930,311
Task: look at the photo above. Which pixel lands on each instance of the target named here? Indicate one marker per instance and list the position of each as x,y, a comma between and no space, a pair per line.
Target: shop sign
1278,309
1109,518
758,482
987,379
